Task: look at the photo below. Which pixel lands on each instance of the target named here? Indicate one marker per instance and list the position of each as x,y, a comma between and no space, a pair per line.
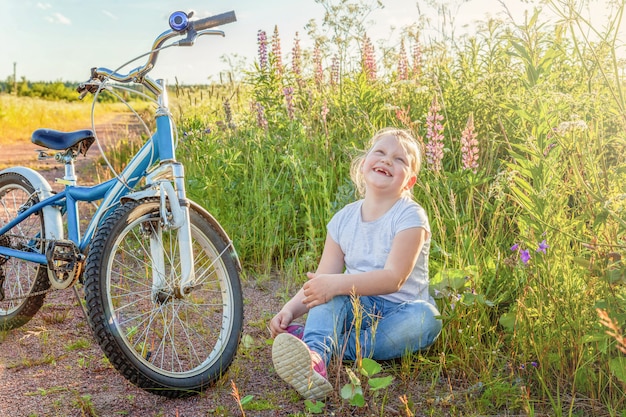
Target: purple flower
262,42
524,255
288,93
515,247
543,246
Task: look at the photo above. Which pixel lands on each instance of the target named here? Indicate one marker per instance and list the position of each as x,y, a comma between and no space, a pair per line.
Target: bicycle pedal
42,154
64,263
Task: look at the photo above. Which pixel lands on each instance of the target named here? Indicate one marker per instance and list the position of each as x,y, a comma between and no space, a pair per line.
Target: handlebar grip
213,21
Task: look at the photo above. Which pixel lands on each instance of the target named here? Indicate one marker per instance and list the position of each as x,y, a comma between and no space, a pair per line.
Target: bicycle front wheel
22,283
166,343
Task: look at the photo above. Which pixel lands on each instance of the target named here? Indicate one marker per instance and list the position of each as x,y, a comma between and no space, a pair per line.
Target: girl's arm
330,263
405,249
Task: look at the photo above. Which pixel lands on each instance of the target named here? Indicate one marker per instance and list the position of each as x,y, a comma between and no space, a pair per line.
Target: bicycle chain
3,278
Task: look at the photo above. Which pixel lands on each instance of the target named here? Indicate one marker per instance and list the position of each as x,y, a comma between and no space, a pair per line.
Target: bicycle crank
65,263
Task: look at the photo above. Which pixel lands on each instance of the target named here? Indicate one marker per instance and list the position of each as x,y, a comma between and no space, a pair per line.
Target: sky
60,40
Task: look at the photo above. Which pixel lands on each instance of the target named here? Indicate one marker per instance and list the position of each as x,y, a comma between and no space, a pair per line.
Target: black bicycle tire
29,305
114,345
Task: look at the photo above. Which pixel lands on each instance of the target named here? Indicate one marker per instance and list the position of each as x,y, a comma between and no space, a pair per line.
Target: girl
377,250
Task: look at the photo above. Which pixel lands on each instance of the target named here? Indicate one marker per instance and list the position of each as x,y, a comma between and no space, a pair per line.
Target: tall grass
525,249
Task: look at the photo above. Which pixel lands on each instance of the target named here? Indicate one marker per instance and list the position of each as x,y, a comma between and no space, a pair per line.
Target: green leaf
370,367
316,407
618,368
245,400
357,400
380,383
349,391
507,320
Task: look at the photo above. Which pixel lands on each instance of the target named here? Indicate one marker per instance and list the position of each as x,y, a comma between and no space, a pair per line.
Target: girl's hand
317,290
280,321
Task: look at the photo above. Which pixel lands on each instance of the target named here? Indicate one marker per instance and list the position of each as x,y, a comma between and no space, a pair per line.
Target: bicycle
161,276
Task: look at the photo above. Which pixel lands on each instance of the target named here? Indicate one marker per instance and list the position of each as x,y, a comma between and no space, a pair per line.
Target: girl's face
387,167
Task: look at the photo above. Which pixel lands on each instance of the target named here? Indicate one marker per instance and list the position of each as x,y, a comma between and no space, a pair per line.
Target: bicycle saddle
81,140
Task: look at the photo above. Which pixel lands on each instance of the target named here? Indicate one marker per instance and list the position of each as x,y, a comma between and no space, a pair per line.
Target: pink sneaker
296,329
299,367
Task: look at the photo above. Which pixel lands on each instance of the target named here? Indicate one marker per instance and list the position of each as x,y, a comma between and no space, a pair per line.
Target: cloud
58,18
44,6
109,14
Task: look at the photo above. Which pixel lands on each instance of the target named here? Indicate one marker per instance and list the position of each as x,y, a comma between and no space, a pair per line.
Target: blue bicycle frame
110,192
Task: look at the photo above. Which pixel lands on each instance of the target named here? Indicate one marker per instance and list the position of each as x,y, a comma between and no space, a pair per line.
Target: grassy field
526,202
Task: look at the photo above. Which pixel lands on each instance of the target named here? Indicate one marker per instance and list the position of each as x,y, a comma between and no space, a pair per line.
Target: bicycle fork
175,216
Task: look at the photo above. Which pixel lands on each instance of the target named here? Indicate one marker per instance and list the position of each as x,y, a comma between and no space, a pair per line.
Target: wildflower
524,256
572,126
543,245
262,42
469,146
288,93
229,114
403,64
317,65
417,58
434,134
276,52
260,116
515,247
324,111
368,61
334,71
296,57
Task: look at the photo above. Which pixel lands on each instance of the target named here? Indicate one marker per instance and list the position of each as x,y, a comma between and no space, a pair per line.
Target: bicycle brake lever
191,36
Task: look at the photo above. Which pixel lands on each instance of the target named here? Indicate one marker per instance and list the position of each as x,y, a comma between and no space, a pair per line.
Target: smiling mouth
382,171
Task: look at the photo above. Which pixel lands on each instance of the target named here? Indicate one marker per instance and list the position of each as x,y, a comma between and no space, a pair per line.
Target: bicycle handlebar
213,21
193,29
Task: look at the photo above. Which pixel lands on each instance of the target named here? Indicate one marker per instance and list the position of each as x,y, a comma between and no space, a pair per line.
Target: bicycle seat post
70,172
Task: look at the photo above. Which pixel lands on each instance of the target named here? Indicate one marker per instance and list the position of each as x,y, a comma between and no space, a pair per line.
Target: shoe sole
292,362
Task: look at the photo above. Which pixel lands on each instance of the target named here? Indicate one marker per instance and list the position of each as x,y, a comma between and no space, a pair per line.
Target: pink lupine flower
288,93
262,42
296,57
317,65
368,60
469,146
434,135
276,52
403,64
417,58
325,111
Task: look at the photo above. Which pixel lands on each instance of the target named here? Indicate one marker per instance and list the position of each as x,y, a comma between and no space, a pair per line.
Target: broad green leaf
380,383
618,368
370,367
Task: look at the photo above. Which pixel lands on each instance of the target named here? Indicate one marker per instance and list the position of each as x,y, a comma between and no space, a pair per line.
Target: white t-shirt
366,245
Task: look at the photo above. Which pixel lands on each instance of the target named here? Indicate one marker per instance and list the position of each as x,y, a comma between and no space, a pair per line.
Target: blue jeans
387,330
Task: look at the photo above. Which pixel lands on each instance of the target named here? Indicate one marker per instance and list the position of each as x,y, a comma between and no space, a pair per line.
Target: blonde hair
410,145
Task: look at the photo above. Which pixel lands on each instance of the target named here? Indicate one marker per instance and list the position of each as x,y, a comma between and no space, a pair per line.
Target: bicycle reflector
179,21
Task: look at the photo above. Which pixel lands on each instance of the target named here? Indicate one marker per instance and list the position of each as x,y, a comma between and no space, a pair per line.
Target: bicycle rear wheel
167,344
19,278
